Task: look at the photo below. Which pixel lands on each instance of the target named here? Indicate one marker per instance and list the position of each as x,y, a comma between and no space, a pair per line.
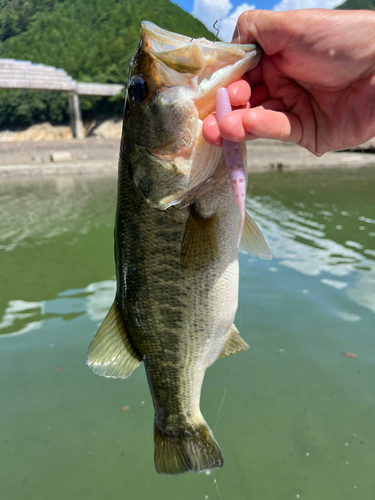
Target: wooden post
75,116
28,76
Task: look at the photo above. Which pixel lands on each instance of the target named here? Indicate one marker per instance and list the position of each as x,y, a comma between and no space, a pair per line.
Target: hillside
358,4
93,40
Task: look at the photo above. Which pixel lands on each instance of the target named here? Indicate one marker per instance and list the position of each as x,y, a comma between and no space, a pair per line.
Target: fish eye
137,89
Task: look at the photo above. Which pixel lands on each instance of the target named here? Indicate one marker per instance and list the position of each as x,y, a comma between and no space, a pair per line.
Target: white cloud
227,26
306,4
208,11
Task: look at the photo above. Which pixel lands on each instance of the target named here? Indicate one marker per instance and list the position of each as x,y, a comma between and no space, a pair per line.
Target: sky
208,11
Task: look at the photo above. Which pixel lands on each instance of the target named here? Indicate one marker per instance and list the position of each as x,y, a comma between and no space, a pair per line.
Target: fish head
172,87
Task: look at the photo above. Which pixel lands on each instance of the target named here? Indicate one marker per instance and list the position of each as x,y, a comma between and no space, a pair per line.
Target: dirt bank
100,127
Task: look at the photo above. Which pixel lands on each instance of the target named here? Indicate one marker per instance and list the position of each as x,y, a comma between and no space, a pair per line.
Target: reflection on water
55,235
297,417
93,300
301,244
34,212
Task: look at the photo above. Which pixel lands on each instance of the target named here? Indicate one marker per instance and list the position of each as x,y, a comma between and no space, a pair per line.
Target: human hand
315,85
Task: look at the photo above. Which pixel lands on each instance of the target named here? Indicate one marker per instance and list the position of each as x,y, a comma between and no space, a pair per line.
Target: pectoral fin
111,353
200,246
253,241
234,344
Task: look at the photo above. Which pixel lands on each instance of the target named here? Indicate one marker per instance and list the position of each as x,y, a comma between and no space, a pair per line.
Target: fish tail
191,449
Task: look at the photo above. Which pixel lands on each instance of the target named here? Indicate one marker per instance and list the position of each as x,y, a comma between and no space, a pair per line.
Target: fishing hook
214,27
217,30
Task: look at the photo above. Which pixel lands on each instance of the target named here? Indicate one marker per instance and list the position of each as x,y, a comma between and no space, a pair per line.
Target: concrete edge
256,163
58,169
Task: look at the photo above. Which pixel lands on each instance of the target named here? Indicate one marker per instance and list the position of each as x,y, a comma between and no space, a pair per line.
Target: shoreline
99,156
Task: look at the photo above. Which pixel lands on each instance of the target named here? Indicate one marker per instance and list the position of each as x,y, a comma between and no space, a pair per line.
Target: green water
294,410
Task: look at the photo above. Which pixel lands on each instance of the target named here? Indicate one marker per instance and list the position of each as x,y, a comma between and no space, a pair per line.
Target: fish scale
185,338
176,319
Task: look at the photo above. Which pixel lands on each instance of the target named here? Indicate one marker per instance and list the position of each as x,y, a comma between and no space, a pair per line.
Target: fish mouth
198,66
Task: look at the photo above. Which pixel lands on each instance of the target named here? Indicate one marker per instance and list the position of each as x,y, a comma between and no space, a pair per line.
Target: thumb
271,30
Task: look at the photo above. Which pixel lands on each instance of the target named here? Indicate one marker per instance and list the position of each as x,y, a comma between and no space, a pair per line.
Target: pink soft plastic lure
233,159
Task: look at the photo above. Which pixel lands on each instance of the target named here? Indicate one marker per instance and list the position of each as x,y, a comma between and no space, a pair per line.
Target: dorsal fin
111,353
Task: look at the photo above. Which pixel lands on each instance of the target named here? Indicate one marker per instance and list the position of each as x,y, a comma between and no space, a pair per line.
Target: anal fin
234,344
253,241
111,353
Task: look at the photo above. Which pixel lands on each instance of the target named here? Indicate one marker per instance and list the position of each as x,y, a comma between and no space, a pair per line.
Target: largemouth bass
176,232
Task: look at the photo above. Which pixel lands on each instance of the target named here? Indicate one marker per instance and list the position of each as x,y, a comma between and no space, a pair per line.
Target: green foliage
27,107
358,4
16,15
93,40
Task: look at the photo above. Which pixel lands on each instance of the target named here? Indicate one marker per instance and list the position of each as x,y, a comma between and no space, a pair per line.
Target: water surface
294,416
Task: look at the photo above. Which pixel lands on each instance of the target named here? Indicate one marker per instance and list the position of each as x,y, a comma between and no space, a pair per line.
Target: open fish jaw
171,160
202,66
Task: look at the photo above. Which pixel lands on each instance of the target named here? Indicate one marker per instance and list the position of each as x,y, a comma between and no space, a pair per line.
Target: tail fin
180,451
